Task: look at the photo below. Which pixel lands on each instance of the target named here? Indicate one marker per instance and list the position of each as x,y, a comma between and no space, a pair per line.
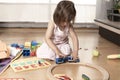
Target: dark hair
64,12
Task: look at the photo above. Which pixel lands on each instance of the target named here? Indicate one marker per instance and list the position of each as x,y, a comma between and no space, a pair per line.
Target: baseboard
41,25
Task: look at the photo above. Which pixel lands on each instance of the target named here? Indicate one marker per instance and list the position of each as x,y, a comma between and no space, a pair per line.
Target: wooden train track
104,73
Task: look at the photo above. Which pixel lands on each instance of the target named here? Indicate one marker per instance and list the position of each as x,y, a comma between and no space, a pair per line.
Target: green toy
85,77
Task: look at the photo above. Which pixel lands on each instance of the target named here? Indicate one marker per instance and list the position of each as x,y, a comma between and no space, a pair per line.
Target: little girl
56,39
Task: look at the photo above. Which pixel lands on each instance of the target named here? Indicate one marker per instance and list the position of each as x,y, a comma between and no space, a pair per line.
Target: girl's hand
61,55
75,55
74,58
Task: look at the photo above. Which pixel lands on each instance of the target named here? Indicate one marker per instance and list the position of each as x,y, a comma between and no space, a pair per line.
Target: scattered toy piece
95,53
85,77
80,48
27,44
85,49
114,56
62,77
39,62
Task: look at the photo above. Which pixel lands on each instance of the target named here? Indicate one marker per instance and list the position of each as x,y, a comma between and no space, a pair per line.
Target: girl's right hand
61,55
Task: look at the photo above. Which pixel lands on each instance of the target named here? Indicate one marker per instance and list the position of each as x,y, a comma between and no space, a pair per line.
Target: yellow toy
27,44
95,53
113,56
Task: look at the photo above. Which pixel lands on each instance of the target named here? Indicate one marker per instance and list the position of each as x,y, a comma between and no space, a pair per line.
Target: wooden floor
89,39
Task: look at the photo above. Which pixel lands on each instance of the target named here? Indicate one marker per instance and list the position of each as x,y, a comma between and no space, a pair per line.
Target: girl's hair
64,12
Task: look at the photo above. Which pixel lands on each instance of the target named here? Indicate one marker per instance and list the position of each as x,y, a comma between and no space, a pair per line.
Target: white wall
85,13
101,8
23,12
41,12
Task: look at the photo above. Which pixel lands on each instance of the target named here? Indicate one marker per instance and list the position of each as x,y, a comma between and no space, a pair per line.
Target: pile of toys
30,48
66,59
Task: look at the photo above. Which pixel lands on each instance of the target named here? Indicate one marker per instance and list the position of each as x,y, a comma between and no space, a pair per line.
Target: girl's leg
45,52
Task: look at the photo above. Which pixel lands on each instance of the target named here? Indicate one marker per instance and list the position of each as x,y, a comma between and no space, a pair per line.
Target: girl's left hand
75,55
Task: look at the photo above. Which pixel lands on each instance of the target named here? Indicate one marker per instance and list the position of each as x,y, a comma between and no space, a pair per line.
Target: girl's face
64,24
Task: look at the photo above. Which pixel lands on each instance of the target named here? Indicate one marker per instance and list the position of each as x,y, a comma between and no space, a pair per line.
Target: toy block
33,47
85,77
95,53
34,43
15,45
33,53
27,44
26,52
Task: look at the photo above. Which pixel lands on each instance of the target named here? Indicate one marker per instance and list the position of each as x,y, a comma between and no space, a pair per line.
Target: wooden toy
33,53
26,52
62,77
15,45
34,43
95,53
113,56
34,46
29,64
27,44
68,69
85,77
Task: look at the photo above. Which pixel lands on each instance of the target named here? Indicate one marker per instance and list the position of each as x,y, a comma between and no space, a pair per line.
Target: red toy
33,53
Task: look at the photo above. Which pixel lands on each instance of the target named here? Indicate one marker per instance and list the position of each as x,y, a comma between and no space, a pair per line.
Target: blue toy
15,45
66,59
59,60
34,43
21,46
26,52
70,59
